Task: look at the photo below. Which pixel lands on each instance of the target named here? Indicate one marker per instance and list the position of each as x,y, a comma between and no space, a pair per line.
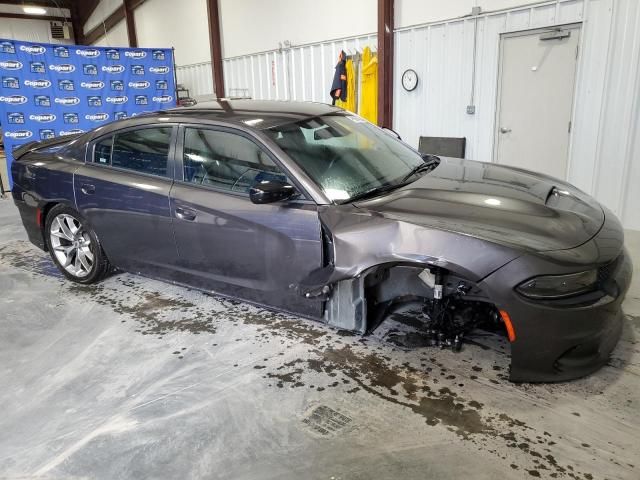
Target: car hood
505,205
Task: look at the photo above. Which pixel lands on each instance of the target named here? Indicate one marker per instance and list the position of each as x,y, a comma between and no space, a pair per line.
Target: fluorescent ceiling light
34,10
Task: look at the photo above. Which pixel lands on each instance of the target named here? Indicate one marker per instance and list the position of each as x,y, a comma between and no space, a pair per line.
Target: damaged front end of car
374,265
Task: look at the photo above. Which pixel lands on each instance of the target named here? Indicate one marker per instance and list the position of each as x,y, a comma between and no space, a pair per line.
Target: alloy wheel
72,245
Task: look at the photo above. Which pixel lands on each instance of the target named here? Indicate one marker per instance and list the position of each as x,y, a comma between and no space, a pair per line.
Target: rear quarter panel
41,180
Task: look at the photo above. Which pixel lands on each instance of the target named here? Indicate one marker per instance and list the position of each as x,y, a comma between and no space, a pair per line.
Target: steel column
131,23
385,63
215,42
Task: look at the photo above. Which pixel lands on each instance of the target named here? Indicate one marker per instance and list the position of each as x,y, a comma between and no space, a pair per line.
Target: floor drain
325,420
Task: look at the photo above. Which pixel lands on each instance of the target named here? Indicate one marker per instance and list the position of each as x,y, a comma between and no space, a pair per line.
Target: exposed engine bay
449,306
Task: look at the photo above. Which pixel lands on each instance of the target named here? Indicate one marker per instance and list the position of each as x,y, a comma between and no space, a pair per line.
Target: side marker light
511,333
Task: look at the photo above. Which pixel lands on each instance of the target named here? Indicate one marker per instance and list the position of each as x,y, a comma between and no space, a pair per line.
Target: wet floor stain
406,386
154,313
25,257
634,321
332,359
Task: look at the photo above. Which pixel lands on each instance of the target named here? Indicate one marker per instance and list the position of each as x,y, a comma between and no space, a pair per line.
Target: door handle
185,214
88,189
504,130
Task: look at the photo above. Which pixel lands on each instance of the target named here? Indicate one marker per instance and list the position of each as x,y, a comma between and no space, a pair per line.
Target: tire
74,246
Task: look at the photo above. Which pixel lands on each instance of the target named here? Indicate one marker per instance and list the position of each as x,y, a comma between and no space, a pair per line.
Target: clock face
409,80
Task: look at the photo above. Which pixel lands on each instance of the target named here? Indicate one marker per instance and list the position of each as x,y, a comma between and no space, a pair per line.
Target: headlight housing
559,286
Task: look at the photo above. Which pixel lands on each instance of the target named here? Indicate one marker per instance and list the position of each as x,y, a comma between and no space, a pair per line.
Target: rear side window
226,160
145,150
102,151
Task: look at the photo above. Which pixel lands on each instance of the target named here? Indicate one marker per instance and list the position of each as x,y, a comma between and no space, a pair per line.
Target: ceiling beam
84,10
105,26
215,42
77,24
111,21
385,63
136,3
131,23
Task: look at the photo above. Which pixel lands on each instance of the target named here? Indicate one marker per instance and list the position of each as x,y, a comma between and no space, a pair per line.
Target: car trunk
34,146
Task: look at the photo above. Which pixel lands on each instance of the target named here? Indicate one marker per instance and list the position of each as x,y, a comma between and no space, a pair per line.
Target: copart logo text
97,117
37,83
62,68
66,101
33,49
163,99
88,53
118,100
135,54
20,134
95,85
11,65
139,85
113,68
43,117
64,133
14,99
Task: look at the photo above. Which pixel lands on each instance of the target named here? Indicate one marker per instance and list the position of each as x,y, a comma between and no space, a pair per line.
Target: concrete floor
135,378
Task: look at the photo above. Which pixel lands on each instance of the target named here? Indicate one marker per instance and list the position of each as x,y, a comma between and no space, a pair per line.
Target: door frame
89,157
532,31
305,199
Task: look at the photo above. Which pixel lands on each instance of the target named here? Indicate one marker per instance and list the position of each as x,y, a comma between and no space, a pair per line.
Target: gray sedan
308,209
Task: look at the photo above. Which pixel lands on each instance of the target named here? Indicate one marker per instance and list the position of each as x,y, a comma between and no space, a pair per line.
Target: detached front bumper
564,339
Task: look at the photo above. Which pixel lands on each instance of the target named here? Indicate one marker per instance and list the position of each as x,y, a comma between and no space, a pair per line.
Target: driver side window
226,160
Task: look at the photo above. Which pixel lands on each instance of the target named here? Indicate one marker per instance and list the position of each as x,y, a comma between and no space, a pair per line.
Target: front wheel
74,246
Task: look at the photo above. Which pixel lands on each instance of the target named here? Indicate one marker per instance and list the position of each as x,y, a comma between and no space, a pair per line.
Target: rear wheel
74,246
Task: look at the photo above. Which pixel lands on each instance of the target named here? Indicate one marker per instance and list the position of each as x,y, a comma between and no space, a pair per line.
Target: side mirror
391,132
270,191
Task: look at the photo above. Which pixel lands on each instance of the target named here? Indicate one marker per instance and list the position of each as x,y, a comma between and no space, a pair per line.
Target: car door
123,191
225,242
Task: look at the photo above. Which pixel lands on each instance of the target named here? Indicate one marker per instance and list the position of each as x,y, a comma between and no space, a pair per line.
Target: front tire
74,246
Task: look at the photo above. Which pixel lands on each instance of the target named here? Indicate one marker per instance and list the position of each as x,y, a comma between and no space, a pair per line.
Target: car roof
258,114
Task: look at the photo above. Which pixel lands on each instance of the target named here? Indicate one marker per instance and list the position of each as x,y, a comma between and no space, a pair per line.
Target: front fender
362,240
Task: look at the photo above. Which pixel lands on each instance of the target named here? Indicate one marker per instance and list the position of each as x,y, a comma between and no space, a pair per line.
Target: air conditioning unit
61,30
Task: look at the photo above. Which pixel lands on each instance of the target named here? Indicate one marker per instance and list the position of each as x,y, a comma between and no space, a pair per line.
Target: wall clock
409,80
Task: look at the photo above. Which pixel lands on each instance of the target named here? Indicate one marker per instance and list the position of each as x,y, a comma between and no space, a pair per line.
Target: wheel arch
44,209
353,300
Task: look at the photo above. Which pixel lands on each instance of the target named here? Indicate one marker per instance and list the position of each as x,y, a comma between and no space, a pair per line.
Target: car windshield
346,155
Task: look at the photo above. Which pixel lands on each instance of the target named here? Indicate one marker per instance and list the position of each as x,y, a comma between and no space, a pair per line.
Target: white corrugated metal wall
606,151
302,72
605,144
442,55
197,77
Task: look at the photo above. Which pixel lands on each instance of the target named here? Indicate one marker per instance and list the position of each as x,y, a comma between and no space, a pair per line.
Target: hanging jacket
350,102
369,86
339,85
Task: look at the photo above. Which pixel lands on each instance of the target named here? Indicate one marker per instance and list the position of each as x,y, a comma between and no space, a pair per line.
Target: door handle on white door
504,130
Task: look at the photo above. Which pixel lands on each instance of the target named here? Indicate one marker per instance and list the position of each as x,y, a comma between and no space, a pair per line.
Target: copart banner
52,90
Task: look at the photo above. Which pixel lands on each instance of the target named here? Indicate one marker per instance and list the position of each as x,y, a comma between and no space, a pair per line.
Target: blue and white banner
52,90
